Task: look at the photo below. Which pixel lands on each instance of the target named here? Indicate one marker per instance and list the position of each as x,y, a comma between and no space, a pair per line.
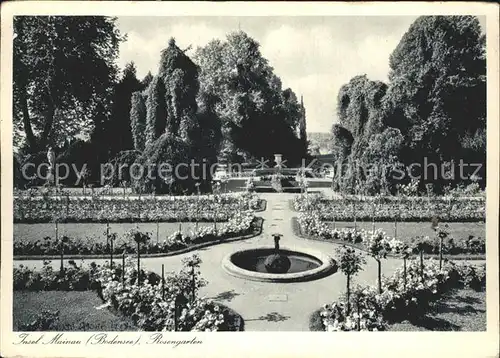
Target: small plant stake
112,239
421,263
373,216
354,214
138,264
107,235
157,232
193,284
406,255
359,318
176,312
123,269
163,281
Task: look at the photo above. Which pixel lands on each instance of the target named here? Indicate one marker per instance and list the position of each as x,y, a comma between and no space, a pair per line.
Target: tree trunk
354,213
157,232
379,275
47,127
404,272
373,218
30,137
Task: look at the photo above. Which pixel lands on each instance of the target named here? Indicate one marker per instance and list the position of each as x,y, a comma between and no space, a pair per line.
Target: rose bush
32,207
401,299
448,208
151,305
241,223
156,307
311,223
73,278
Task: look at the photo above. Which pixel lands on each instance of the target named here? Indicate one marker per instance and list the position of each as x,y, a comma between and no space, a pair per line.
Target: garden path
268,306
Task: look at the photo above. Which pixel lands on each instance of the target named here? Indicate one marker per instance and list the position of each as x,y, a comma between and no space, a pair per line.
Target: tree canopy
434,105
249,99
64,66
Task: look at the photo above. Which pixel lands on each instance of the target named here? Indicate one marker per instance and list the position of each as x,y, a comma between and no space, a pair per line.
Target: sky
314,56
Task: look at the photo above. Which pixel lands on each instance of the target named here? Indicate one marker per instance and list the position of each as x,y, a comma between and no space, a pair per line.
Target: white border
277,344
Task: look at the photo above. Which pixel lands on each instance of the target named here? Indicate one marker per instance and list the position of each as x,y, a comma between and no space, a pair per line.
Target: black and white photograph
172,175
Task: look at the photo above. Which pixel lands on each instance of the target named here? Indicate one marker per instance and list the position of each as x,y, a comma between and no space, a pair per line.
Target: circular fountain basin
306,265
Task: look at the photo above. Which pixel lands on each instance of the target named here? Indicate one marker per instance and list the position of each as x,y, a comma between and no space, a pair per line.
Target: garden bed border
257,223
298,232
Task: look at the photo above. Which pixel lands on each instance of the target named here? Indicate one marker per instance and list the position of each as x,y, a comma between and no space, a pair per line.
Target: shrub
153,306
73,278
387,207
44,321
240,224
401,298
43,206
311,224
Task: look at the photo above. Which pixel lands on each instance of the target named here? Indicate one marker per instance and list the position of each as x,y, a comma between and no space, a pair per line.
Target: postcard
176,172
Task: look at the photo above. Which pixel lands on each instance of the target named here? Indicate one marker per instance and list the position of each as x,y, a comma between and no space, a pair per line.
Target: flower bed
242,223
152,304
312,224
401,298
72,278
39,209
448,209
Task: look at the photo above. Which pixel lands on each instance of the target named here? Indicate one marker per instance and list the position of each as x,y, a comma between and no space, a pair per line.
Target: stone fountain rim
328,265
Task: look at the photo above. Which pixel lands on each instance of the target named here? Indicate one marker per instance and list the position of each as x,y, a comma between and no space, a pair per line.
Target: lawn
462,310
97,231
408,230
77,311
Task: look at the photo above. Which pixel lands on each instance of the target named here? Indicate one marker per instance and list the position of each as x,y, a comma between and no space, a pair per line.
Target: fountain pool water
279,264
256,261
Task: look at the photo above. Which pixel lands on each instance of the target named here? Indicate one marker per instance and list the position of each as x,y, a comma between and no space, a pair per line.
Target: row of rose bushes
152,305
312,224
390,208
37,209
400,299
241,223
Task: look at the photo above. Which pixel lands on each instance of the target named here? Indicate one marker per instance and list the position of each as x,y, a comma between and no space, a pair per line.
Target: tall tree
147,80
302,124
438,85
120,115
250,99
156,111
171,132
180,76
63,66
358,109
138,119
